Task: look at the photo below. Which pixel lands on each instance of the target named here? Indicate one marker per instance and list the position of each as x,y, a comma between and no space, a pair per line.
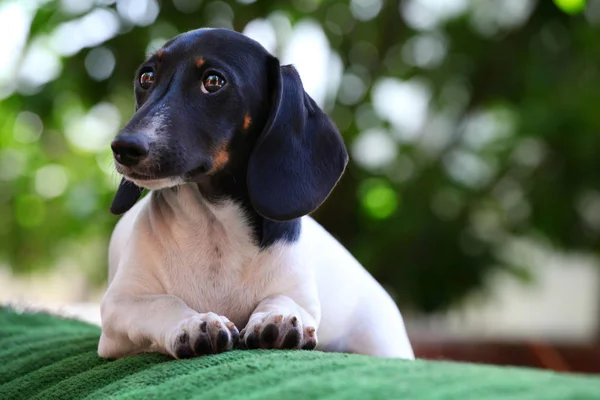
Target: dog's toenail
203,326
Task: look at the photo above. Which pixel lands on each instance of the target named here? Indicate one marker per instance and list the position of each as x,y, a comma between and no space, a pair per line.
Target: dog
221,253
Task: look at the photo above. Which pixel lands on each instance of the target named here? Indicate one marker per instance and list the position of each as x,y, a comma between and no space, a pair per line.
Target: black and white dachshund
236,155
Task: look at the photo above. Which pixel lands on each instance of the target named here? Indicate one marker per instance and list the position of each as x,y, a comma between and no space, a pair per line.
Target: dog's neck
217,199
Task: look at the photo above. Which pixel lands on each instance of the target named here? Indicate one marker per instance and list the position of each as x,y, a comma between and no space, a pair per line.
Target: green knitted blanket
45,357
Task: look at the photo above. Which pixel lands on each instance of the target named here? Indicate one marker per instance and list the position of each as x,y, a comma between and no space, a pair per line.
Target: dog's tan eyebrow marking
199,62
160,53
247,121
221,158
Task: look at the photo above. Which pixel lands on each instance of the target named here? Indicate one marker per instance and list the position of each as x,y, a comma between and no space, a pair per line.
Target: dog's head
212,103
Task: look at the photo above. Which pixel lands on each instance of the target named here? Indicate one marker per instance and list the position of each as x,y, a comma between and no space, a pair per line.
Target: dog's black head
214,107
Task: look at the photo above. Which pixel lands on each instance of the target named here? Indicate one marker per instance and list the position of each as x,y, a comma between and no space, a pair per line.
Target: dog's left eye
213,82
146,79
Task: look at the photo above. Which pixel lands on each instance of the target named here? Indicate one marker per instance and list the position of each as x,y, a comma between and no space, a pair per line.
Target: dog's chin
148,181
157,184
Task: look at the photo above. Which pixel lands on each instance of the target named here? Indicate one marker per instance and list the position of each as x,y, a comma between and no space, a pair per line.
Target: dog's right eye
146,79
213,82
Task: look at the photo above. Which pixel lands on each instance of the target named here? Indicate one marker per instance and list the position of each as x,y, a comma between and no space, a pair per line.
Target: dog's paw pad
182,348
268,336
203,334
291,340
278,331
310,339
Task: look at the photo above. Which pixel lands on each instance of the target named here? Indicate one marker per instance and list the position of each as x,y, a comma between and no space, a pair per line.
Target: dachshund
221,253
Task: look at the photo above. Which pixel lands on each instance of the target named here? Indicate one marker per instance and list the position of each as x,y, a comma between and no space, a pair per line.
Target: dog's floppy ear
299,156
127,195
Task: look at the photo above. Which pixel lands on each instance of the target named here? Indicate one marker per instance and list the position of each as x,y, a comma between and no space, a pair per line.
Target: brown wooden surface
582,359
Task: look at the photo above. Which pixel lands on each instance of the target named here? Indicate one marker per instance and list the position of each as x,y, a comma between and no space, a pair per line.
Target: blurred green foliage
571,6
470,122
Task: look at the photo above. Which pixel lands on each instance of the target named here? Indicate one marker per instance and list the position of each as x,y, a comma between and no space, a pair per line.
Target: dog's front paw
203,334
278,331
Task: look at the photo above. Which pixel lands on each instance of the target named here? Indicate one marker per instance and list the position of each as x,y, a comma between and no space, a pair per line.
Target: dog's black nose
130,150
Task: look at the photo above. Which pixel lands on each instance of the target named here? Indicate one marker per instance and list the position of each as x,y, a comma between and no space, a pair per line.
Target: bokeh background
473,191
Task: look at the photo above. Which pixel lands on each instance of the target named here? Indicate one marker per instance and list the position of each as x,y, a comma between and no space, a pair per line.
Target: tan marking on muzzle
220,158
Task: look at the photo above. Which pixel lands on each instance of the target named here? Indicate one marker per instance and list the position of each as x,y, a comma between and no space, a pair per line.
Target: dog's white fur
176,260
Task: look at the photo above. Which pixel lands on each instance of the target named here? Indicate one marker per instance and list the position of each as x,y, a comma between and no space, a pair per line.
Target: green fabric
45,357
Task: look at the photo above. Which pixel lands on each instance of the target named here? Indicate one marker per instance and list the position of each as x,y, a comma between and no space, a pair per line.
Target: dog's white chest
207,255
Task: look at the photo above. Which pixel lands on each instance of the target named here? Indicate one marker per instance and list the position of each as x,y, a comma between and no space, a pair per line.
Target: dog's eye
146,79
213,82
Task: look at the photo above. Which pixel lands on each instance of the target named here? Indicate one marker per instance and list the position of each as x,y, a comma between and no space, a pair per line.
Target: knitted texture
46,357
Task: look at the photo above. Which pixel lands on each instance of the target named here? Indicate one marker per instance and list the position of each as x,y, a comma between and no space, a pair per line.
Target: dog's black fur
283,154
